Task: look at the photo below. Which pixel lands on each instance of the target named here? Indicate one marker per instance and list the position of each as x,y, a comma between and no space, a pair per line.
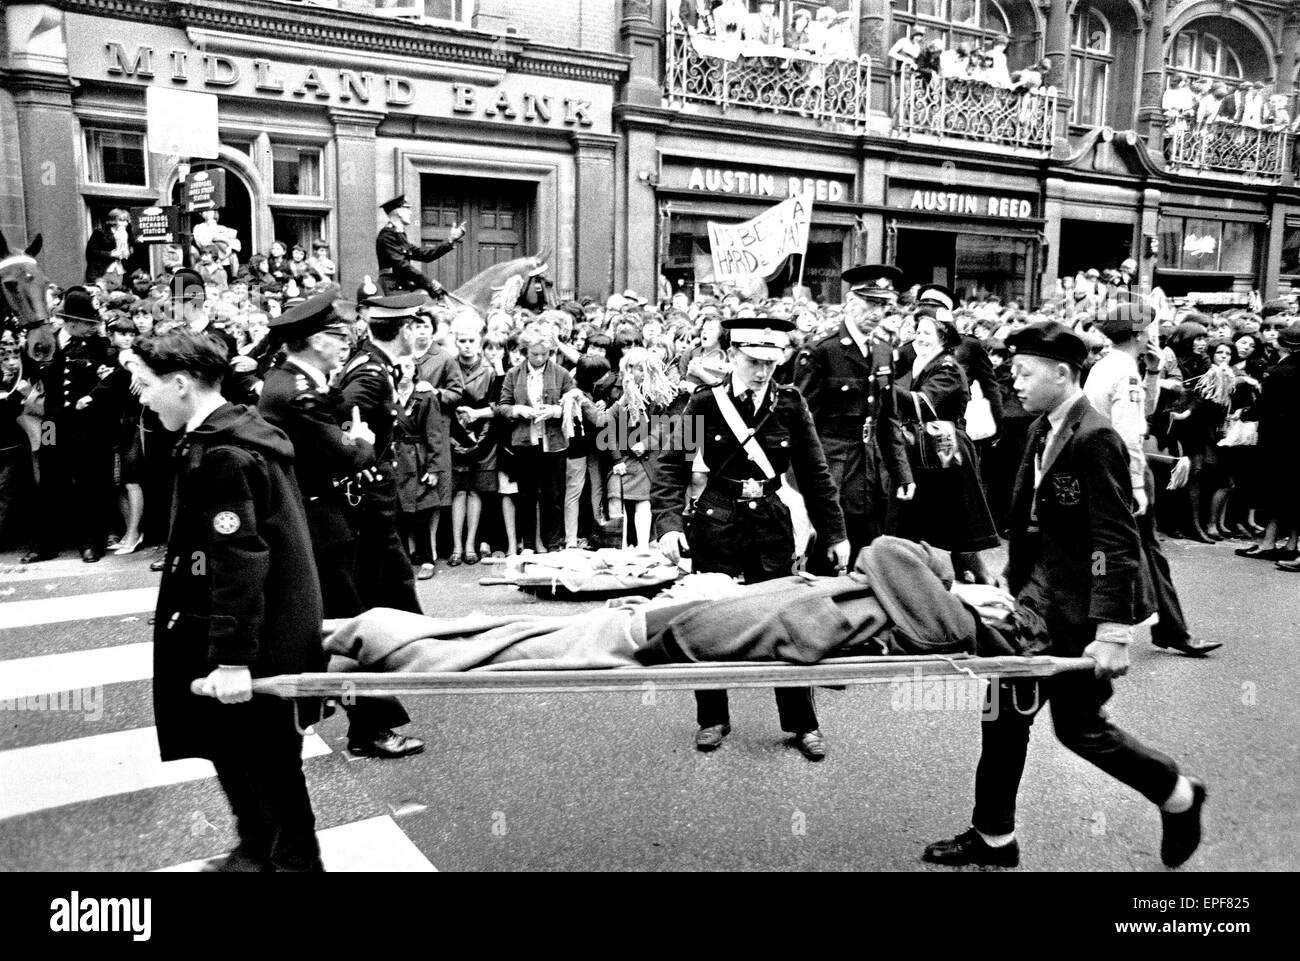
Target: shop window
296,170
1216,246
116,157
294,227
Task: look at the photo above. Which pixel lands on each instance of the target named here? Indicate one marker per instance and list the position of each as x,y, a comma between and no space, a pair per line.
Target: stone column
47,139
641,35
357,207
1057,47
1288,51
1053,200
1148,226
594,165
1151,122
873,41
642,210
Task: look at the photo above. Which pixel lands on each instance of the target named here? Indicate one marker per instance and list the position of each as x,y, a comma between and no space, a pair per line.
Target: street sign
182,122
205,190
156,225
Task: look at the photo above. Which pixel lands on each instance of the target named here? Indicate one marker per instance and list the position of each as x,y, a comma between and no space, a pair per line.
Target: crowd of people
824,32
516,465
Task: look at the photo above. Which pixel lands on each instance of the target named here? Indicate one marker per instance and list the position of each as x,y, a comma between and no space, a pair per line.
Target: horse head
22,286
501,284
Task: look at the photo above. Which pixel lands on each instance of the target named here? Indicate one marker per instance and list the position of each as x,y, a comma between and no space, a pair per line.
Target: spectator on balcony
955,64
729,17
1179,106
694,15
836,36
930,62
1252,105
995,56
763,27
799,36
1209,99
1277,114
906,50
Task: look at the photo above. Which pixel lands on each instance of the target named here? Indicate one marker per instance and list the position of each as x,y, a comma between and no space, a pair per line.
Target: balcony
1231,148
782,80
971,110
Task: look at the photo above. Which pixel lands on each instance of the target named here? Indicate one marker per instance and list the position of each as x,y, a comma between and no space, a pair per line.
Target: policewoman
744,434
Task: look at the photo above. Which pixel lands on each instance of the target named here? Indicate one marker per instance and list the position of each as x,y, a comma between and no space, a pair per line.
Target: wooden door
496,216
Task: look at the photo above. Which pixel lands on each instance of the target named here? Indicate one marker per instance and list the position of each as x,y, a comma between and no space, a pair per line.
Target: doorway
237,212
1086,244
497,215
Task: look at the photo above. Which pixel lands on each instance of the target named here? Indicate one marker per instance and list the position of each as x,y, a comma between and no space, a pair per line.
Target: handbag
932,444
979,415
1240,433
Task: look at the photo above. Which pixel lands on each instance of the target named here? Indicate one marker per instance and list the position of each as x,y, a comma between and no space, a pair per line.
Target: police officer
296,398
369,383
847,379
744,435
395,252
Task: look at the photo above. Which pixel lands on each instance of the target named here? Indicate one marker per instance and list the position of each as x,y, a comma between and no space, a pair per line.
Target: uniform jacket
1278,412
369,382
309,416
240,585
942,381
842,389
1074,556
395,254
785,430
556,382
974,360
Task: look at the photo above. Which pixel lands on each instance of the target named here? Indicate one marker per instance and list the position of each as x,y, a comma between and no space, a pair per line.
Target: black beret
1049,339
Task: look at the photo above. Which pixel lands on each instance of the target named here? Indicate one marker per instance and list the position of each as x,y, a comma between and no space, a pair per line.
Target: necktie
749,407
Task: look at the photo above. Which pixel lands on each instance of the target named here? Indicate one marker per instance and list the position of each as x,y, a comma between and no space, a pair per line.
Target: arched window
952,21
1091,57
1203,54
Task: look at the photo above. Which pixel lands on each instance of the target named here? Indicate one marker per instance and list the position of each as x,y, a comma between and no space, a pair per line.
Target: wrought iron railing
1229,148
970,110
705,69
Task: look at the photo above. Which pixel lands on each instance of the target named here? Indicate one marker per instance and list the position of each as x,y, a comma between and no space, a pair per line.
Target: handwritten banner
758,247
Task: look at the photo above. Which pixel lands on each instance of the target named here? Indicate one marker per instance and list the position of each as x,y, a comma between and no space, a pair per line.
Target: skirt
948,510
635,483
473,479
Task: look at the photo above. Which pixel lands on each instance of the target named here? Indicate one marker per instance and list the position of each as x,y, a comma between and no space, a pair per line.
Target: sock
1181,798
996,840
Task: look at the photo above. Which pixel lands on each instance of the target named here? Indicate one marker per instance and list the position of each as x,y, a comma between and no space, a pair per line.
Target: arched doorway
238,210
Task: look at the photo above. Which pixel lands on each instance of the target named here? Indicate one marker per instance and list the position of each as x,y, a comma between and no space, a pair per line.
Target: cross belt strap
743,433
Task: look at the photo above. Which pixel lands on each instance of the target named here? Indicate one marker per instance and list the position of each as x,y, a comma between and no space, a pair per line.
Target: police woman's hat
874,281
936,294
762,338
1049,339
312,316
389,206
397,306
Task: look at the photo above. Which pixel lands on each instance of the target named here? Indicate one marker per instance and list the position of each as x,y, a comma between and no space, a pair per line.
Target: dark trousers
1076,700
731,537
383,573
1172,626
263,781
540,477
16,487
74,492
414,527
336,567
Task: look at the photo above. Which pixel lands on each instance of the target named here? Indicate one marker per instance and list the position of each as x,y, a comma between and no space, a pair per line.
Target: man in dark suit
741,527
1073,567
395,252
296,398
847,379
239,599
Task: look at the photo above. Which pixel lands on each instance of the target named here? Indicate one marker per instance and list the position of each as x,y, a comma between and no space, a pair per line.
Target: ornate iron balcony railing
1229,148
705,69
970,110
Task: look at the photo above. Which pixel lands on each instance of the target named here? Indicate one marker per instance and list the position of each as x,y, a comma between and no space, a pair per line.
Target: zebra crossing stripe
26,677
77,607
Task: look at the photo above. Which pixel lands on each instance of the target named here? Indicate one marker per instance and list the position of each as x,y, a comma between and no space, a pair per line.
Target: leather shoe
159,564
32,557
236,862
91,556
1292,567
386,745
1190,647
1182,831
710,738
812,744
970,848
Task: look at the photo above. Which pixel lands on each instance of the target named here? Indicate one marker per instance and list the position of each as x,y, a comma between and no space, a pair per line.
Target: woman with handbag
949,510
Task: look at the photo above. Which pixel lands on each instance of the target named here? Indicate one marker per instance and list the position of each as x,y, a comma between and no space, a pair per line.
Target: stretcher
714,675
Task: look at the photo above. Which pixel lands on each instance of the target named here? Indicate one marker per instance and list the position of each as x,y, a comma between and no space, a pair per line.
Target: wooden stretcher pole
714,676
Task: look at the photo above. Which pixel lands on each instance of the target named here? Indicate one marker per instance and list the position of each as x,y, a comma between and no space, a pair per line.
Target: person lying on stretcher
899,599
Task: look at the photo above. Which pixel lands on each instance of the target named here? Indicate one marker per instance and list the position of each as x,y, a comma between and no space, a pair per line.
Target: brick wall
580,24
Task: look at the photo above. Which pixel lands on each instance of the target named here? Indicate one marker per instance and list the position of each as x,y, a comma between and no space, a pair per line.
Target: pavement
554,782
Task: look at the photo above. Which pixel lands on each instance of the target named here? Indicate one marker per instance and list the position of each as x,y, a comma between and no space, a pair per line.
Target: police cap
390,205
935,294
312,316
396,306
874,281
1049,339
762,338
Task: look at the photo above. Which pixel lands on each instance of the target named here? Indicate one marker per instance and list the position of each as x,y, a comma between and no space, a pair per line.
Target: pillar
1149,226
1057,47
1151,122
47,138
641,252
641,38
357,208
1287,52
594,165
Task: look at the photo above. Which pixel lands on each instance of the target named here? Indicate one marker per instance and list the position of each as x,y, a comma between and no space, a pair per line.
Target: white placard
182,123
758,247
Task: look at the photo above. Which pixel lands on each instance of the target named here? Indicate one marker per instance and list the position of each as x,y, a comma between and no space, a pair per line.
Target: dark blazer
556,382
842,389
239,588
974,360
942,381
1074,557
